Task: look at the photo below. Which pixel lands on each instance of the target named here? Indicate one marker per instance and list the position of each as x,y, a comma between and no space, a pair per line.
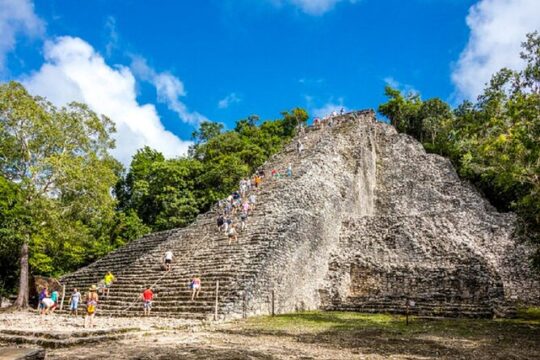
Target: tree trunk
22,297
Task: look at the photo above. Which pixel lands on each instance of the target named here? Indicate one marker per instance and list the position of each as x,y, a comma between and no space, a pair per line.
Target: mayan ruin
269,180
345,232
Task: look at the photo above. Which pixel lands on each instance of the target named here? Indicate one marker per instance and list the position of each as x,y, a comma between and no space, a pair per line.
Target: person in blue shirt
54,297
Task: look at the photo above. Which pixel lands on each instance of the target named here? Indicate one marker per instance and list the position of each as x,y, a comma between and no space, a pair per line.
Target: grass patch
388,335
529,313
319,322
323,321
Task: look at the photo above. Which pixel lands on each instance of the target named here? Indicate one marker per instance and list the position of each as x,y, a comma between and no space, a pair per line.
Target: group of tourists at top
328,120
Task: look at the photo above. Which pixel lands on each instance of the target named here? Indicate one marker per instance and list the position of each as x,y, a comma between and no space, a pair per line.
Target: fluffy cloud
228,100
17,16
328,108
169,89
313,7
497,29
74,71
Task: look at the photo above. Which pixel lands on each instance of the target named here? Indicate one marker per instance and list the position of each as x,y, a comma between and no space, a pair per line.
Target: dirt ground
317,335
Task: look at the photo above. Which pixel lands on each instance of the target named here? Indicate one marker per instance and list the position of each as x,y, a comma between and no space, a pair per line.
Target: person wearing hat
91,305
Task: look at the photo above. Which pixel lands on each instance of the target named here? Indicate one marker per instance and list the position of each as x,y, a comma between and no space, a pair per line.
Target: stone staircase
48,339
199,249
367,220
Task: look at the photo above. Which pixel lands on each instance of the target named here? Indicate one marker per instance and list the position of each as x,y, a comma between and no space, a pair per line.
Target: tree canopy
55,178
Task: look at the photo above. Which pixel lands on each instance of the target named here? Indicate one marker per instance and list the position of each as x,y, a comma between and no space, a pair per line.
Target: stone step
172,314
15,353
156,307
51,342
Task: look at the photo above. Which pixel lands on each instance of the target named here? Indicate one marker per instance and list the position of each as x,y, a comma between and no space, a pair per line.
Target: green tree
207,131
292,119
60,162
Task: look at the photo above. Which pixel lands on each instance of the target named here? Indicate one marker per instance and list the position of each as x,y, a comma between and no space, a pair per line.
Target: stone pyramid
368,222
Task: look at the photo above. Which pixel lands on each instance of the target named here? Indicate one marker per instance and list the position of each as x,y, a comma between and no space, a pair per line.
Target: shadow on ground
389,336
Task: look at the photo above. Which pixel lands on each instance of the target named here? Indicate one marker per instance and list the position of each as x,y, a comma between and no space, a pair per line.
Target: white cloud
73,70
228,100
405,88
114,37
328,108
498,27
169,89
17,17
313,7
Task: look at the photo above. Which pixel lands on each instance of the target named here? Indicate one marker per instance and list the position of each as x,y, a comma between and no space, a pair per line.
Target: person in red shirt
147,297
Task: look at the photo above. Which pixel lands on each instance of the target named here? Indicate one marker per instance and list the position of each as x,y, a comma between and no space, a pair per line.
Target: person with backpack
91,306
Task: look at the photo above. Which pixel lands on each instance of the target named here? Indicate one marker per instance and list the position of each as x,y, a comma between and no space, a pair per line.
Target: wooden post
407,312
244,307
63,296
216,305
273,303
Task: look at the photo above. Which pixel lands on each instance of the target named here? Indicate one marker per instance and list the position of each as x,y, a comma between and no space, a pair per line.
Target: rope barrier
136,299
151,286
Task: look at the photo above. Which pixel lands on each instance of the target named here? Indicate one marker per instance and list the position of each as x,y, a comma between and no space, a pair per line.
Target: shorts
74,305
168,261
47,302
106,286
195,286
147,304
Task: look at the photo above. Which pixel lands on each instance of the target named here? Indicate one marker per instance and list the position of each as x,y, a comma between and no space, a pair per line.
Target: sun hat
93,288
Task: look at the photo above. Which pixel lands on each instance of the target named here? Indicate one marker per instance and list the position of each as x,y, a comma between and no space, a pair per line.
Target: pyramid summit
368,221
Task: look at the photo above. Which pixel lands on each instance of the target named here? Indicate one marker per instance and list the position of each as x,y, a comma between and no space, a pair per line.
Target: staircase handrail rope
151,286
136,299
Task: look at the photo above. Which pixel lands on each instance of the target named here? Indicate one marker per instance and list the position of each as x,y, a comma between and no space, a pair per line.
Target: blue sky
158,70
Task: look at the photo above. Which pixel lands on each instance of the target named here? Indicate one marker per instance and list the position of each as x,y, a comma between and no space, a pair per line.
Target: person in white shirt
168,259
